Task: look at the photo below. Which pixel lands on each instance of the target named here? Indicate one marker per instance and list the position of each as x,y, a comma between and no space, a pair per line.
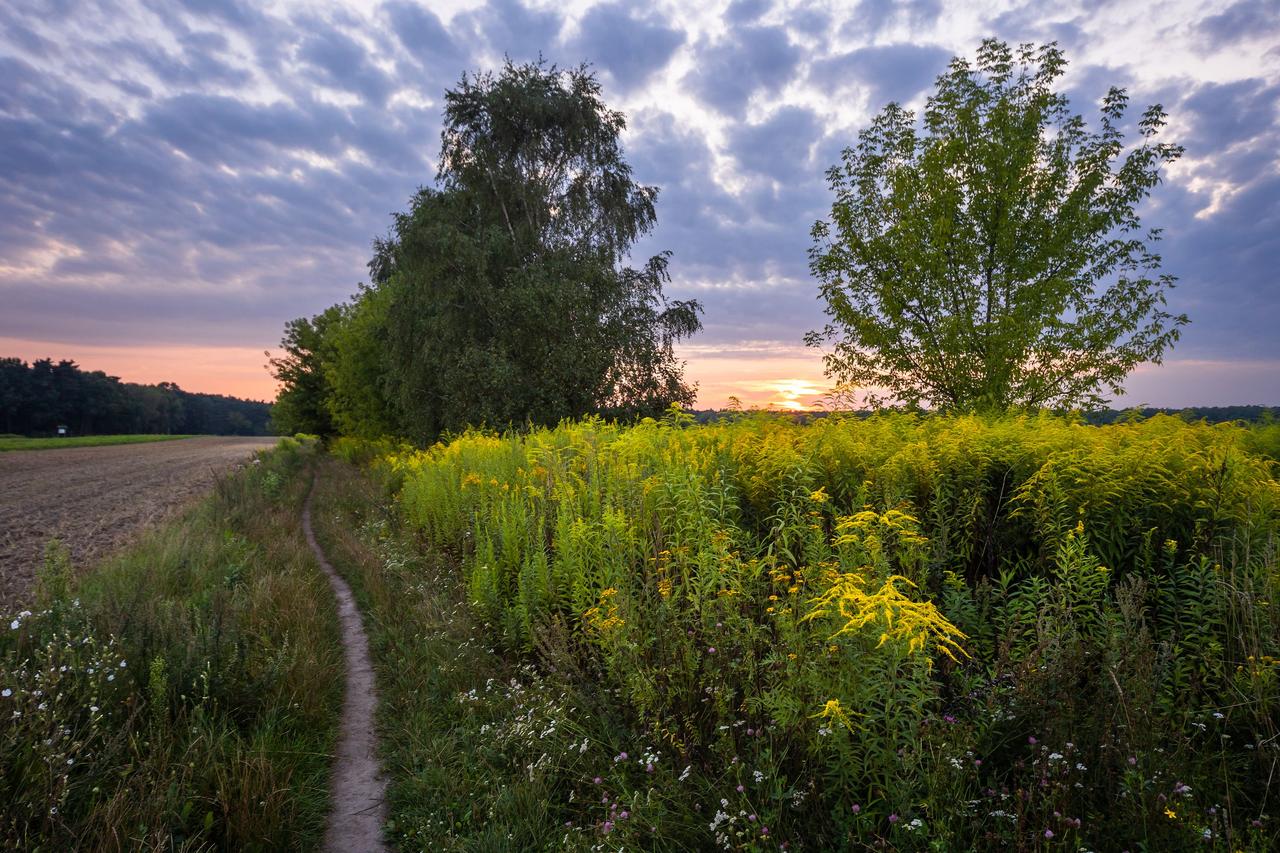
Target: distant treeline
1209,414
37,398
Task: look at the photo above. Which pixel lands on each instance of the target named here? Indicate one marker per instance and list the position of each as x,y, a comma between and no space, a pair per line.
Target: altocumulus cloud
200,172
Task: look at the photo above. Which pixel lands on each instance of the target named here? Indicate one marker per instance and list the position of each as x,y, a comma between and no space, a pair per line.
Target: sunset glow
787,378
234,371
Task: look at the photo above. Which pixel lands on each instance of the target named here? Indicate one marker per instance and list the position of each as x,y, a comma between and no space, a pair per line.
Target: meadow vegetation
903,632
181,696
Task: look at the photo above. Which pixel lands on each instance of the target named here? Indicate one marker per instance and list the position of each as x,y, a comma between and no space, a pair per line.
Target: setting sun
797,395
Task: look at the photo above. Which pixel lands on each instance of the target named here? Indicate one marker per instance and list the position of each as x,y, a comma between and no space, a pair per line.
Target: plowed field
97,498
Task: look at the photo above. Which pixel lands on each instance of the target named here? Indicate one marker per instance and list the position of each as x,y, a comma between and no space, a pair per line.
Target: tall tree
993,256
510,297
302,403
355,368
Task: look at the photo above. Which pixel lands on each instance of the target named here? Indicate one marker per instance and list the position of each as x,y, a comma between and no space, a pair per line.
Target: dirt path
97,498
358,791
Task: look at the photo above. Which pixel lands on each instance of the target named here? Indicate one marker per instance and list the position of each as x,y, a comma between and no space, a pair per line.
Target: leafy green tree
992,255
355,368
302,403
510,300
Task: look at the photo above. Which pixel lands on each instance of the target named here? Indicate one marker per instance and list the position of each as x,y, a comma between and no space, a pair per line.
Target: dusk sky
178,179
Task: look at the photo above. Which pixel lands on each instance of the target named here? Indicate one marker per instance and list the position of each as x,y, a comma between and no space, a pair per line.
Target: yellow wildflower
604,617
918,622
833,710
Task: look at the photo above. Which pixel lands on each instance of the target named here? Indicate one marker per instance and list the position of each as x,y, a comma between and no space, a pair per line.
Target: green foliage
993,256
510,301
53,581
741,590
302,403
503,295
354,368
180,696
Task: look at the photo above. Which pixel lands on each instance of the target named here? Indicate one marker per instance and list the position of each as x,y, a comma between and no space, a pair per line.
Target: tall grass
916,632
180,696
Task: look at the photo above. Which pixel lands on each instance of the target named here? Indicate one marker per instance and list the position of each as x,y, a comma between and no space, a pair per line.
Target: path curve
358,791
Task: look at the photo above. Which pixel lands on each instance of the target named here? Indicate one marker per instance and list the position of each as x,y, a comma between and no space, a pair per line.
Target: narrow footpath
357,796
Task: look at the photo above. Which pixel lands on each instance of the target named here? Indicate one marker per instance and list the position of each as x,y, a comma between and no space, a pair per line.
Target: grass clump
181,695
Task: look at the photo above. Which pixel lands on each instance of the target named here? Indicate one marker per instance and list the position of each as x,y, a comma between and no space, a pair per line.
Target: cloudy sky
178,179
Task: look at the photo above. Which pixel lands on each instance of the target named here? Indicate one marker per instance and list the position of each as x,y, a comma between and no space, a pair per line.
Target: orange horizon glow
233,371
758,375
783,378
789,381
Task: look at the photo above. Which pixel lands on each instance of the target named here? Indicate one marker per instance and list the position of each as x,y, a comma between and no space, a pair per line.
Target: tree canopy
991,255
302,403
504,294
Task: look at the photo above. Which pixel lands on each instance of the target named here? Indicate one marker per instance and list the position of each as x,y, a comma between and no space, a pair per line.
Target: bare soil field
97,498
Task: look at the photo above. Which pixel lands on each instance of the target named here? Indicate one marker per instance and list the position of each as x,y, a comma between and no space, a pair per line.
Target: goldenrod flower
833,710
918,622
